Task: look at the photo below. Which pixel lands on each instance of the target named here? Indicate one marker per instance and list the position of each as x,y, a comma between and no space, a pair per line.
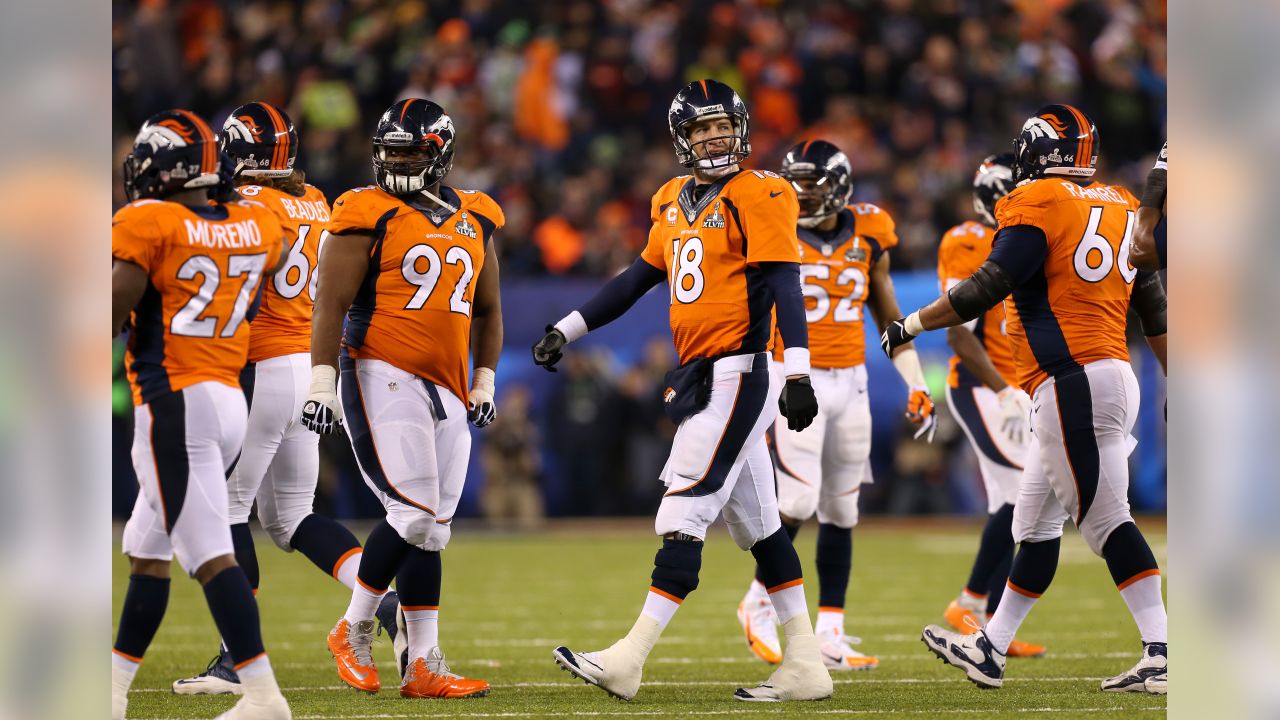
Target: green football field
509,599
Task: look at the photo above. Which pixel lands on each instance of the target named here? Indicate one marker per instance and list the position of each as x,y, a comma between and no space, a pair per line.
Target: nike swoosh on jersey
775,194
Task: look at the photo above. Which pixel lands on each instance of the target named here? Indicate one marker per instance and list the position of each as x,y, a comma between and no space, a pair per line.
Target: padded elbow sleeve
981,292
1151,304
1154,192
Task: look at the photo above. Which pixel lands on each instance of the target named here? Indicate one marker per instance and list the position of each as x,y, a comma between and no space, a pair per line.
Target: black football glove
797,403
895,336
547,352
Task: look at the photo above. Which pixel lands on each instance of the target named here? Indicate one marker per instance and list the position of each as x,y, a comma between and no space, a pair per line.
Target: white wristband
324,378
573,326
913,325
907,362
482,379
795,361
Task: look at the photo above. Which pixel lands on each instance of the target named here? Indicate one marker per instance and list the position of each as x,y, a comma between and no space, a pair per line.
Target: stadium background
560,109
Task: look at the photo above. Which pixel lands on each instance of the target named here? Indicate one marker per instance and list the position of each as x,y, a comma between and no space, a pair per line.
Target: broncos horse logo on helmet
412,146
822,178
992,181
1057,140
261,139
709,100
175,150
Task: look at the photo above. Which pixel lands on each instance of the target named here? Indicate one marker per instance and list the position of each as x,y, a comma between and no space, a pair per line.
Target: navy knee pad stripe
1079,438
384,553
995,546
169,450
246,554
418,581
676,567
324,541
834,561
753,391
776,556
792,531
1034,567
235,612
144,604
1128,556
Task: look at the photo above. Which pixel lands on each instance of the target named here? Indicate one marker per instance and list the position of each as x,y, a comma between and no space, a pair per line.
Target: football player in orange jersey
1062,251
184,275
1149,237
844,265
280,463
987,403
724,240
411,264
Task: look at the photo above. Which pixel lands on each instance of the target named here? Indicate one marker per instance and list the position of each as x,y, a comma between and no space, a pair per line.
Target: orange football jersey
414,308
283,323
835,275
708,248
1073,310
205,267
963,250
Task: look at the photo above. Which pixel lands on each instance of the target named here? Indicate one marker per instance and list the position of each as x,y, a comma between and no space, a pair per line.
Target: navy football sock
1127,553
792,531
996,544
1034,566
676,566
324,541
235,612
834,560
246,554
418,581
777,559
384,553
144,606
999,577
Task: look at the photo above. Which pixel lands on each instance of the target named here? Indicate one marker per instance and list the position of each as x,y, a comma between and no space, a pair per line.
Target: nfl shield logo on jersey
465,228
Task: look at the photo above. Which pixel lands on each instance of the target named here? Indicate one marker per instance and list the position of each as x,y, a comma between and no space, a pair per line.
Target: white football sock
423,626
257,678
788,601
347,568
123,671
364,603
1147,607
661,607
1014,608
971,602
829,620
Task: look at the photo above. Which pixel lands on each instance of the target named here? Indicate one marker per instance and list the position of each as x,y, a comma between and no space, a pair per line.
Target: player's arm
1149,301
615,298
486,339
882,301
344,262
128,284
1018,252
797,403
969,349
1147,249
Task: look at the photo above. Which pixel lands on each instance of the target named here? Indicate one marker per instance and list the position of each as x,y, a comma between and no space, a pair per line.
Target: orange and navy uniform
1071,309
413,310
963,250
205,267
710,248
283,323
835,273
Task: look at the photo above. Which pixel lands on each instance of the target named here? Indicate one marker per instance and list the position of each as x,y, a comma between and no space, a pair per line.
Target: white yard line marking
780,711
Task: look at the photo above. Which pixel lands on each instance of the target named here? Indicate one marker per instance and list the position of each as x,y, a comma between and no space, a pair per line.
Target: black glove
547,352
895,336
797,403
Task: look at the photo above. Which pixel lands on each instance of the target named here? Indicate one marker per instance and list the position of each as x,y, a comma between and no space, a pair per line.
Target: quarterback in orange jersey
411,264
280,462
987,403
1061,255
185,272
724,241
844,268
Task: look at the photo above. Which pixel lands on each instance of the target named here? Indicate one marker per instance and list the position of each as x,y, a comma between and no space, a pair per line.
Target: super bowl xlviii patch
856,253
465,228
715,219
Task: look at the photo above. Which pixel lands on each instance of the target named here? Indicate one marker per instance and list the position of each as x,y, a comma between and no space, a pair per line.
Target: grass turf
509,599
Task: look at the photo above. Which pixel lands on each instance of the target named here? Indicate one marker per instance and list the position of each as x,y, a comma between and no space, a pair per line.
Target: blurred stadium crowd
561,116
561,106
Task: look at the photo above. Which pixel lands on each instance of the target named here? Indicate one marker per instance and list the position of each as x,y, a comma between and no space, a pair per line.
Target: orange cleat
350,646
430,677
1019,648
760,625
962,619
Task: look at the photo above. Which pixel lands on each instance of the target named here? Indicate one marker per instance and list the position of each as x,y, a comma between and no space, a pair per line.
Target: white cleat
982,663
1150,675
616,670
259,707
801,676
760,624
119,703
838,653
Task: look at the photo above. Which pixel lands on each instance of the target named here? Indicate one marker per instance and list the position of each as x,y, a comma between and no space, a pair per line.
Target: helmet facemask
698,154
407,169
818,195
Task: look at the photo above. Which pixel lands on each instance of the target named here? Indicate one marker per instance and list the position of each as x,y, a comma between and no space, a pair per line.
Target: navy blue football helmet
1057,140
822,178
412,146
708,100
175,150
261,139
